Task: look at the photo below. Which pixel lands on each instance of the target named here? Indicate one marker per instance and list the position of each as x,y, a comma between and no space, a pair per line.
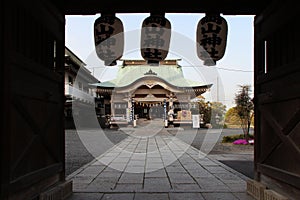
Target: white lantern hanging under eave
211,38
155,38
109,38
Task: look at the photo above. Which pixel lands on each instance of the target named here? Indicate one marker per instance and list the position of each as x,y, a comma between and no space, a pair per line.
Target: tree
232,117
217,113
210,111
244,108
203,108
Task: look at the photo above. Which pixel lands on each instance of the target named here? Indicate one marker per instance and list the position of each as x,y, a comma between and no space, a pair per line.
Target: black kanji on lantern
109,38
153,54
211,38
154,41
155,38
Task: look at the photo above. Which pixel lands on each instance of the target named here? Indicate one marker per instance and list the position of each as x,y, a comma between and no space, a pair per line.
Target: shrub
232,138
240,141
219,126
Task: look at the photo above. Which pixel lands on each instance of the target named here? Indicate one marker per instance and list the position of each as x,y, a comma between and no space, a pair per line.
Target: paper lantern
211,38
109,38
155,38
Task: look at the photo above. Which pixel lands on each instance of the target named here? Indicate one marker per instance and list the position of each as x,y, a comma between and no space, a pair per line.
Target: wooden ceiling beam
226,7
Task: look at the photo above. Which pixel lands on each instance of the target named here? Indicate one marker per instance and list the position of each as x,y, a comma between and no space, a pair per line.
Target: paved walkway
152,164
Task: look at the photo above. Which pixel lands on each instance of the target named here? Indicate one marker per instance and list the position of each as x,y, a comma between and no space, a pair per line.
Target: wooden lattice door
277,102
32,132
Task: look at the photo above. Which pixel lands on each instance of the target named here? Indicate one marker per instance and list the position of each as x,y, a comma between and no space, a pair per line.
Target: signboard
196,120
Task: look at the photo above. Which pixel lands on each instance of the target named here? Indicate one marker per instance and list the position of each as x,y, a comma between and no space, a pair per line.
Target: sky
234,69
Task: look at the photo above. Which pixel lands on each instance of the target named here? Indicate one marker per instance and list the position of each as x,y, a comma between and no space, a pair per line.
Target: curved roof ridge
172,74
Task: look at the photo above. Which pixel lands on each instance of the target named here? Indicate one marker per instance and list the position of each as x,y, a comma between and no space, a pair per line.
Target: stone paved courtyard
156,166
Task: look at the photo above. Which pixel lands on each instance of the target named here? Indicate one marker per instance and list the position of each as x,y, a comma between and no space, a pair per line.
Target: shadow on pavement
243,166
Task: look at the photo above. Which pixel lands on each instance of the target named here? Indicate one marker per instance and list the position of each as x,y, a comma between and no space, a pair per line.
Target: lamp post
201,119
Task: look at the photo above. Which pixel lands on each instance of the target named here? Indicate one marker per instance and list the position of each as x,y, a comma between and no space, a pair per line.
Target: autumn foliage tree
232,118
244,108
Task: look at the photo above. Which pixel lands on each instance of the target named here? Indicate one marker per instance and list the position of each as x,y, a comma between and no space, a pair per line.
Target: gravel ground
219,147
76,153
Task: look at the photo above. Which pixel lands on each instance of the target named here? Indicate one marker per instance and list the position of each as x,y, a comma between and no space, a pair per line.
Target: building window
120,105
80,85
86,89
70,80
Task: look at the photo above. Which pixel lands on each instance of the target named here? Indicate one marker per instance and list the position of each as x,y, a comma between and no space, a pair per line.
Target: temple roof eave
156,80
197,90
134,75
128,74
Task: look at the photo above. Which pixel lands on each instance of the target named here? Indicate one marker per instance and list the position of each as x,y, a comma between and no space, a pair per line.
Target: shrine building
150,90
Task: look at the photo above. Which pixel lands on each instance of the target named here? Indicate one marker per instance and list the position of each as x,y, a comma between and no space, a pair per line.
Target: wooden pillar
32,146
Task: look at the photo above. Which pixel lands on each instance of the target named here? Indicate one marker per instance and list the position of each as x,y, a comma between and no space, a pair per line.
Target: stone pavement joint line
156,167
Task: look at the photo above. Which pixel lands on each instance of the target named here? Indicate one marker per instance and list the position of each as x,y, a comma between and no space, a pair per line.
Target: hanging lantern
109,38
155,38
211,38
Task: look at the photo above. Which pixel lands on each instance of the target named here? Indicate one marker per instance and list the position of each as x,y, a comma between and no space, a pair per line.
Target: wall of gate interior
277,102
32,98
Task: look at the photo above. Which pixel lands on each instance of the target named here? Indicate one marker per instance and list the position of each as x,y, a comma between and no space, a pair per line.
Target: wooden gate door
277,102
32,98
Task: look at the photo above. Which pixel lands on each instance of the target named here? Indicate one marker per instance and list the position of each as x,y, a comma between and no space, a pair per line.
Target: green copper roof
126,75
